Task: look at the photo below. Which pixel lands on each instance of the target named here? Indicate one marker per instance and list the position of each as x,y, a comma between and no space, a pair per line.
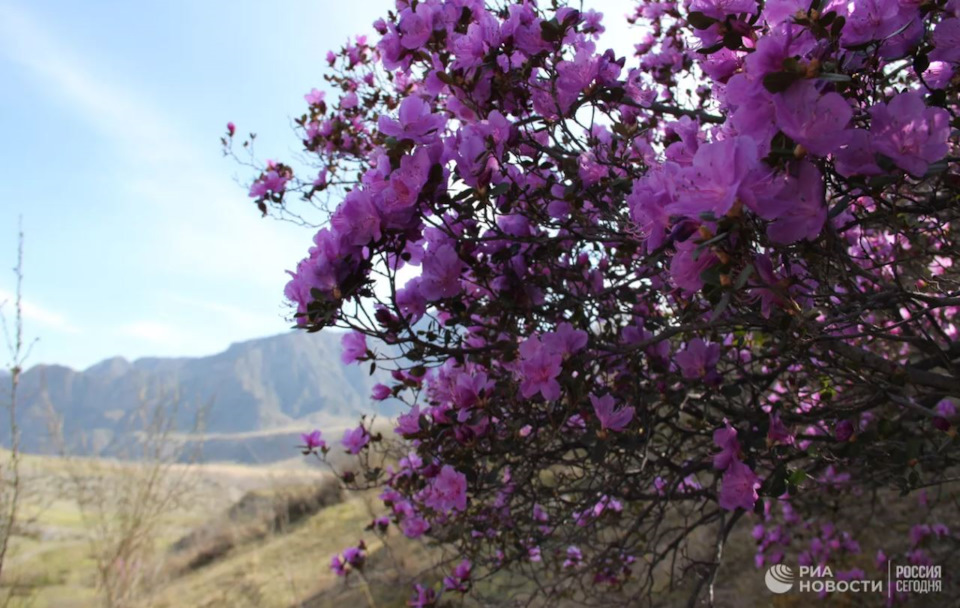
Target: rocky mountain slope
260,392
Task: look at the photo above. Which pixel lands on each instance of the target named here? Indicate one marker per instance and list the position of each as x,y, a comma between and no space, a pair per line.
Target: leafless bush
126,503
11,480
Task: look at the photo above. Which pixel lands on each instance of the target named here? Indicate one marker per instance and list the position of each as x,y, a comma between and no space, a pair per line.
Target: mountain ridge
286,381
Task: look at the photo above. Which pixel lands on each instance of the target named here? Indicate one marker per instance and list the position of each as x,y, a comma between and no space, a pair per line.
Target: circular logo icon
779,578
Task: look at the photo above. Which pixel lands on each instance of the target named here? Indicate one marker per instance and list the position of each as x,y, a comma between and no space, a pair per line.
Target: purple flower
798,212
712,183
843,431
409,423
416,121
610,417
312,440
939,74
719,9
355,439
338,566
814,120
354,347
423,597
869,20
698,358
726,439
778,432
462,571
689,263
410,302
314,97
415,27
349,101
946,41
574,557
354,556
534,554
448,490
357,220
271,182
573,77
565,340
415,526
648,201
380,392
946,408
459,577
539,368
739,488
856,156
441,273
908,132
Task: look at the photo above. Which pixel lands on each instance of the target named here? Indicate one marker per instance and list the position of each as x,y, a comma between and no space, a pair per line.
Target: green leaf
711,49
778,82
837,26
743,277
921,62
700,21
551,30
834,77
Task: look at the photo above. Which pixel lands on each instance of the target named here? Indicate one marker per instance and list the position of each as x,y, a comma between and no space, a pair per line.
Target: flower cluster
591,269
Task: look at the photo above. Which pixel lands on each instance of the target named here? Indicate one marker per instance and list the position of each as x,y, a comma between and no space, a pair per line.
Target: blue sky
139,240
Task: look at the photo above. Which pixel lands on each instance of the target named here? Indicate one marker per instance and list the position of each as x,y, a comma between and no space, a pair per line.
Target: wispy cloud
110,108
34,313
230,315
195,223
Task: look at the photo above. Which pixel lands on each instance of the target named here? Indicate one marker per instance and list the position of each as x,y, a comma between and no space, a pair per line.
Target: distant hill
258,393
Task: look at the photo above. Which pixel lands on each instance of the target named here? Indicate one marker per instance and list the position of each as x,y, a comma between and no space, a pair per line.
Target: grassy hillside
241,536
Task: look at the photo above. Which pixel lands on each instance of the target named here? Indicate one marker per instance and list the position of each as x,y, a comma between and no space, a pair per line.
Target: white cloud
194,224
35,313
112,109
252,320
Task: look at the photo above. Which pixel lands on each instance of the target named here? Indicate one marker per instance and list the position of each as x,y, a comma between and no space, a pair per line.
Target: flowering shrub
631,297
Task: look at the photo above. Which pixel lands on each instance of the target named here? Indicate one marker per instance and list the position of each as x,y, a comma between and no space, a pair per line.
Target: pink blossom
354,347
565,340
539,368
813,119
712,183
355,439
417,121
610,417
912,135
739,487
698,358
380,392
726,439
441,273
313,441
447,491
409,422
314,97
